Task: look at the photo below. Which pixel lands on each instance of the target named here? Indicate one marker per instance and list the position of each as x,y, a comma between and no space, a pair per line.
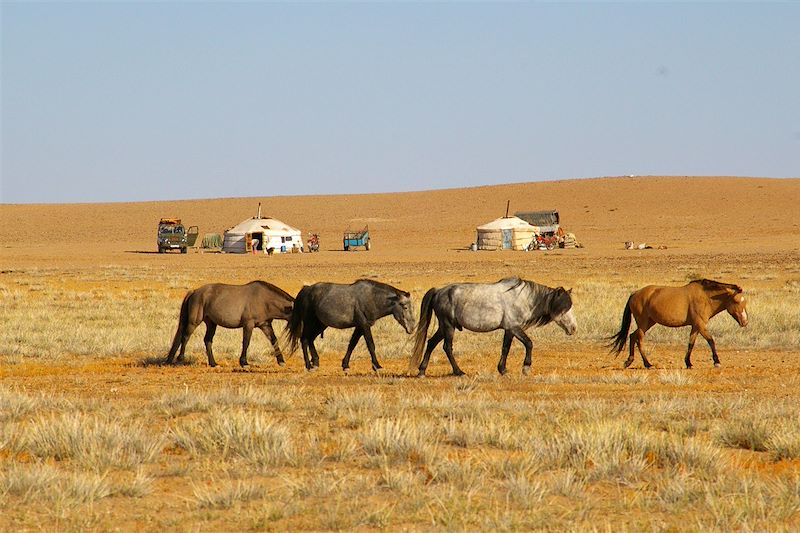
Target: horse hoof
717,365
458,373
346,371
421,374
526,370
281,363
312,369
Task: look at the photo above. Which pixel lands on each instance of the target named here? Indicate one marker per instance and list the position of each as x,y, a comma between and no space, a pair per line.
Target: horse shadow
158,361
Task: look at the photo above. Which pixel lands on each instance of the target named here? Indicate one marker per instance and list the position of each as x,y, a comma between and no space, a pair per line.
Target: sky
113,101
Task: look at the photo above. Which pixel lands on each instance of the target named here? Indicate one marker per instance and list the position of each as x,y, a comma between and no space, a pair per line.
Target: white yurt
262,235
505,233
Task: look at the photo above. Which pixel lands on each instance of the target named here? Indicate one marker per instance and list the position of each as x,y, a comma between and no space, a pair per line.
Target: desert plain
96,434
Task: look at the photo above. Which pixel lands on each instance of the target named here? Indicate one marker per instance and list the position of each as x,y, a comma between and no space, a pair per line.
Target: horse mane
555,300
382,285
273,287
517,282
713,285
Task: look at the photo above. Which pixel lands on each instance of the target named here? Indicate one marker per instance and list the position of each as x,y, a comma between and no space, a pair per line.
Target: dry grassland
95,434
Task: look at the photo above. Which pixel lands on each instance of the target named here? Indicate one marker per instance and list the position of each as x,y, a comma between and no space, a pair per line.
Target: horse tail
294,327
618,341
183,321
421,335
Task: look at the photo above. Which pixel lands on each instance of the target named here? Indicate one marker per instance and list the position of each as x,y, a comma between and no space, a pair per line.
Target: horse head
737,306
403,310
561,310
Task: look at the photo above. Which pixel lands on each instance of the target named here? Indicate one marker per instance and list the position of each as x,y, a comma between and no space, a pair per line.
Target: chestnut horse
693,305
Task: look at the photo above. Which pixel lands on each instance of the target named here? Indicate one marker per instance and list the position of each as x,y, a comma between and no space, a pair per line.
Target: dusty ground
738,230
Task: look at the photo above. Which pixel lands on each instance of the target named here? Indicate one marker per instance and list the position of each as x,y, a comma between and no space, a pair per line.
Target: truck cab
171,235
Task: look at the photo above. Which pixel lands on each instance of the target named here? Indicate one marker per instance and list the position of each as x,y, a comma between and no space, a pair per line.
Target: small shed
547,221
262,235
506,233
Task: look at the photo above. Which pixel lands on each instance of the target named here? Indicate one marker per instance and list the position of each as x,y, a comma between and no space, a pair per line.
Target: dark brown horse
357,305
693,305
253,305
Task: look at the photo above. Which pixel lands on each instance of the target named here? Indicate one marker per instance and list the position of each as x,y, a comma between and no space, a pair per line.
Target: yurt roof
267,224
506,223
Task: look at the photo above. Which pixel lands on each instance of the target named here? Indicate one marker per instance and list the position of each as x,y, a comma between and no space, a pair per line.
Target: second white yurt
505,233
262,235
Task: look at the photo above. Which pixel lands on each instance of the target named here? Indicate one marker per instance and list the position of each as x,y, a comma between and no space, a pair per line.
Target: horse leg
208,340
313,349
507,338
371,347
644,325
182,342
350,347
435,339
636,342
246,334
711,344
273,339
528,343
304,344
692,337
449,331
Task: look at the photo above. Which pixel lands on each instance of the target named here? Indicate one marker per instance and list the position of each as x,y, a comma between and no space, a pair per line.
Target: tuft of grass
406,481
784,444
480,430
679,378
95,442
28,481
83,488
141,485
186,402
14,405
210,497
254,437
355,408
745,433
568,483
463,475
399,440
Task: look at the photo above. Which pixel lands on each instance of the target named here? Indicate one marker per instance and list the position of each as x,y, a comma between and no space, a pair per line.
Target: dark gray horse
511,304
339,306
253,305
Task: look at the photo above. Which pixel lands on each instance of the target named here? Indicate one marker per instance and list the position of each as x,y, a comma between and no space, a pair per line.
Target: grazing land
97,434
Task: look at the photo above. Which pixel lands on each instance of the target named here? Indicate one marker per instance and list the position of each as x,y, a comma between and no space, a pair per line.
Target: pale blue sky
148,101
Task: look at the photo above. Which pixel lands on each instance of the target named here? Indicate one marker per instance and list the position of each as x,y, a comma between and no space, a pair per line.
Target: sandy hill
713,214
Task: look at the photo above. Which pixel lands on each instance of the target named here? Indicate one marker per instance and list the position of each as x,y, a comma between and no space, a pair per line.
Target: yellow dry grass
95,434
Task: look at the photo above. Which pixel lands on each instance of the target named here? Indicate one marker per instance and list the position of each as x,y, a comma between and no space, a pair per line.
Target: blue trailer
351,239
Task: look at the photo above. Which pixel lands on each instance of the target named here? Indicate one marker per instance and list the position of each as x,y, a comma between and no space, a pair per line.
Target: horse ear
406,294
569,291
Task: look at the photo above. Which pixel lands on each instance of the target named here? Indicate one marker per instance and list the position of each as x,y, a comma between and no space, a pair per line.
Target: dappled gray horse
511,304
358,305
253,305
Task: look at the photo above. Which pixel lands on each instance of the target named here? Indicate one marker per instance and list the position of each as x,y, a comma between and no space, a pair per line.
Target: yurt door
507,238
